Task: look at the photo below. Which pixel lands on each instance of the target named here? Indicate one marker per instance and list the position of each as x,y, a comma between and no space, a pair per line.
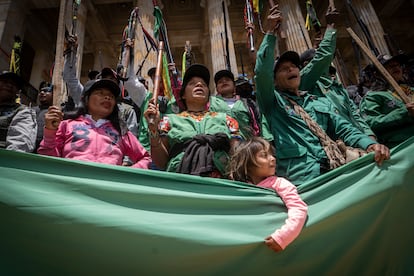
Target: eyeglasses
47,90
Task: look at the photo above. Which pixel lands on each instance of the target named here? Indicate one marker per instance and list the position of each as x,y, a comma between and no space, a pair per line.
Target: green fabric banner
61,216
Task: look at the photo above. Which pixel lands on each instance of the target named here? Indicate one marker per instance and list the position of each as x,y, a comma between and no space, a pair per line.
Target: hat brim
197,70
151,72
102,83
223,73
13,76
291,56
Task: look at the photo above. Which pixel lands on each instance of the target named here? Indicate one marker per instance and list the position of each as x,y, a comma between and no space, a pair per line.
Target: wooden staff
157,78
59,87
379,66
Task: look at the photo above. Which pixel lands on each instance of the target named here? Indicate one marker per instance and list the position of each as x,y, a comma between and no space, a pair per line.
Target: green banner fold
68,217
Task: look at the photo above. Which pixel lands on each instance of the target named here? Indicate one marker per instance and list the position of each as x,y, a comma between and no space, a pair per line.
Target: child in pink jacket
94,131
253,161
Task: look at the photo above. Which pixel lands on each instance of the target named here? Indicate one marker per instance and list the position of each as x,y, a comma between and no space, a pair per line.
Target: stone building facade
41,24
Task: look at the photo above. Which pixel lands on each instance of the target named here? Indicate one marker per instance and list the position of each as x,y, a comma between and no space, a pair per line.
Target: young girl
253,161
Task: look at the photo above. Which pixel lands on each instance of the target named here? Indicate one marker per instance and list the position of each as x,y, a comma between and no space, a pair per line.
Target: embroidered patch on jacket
290,111
391,104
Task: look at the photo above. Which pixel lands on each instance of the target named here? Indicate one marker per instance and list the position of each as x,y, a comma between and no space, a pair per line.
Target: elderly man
301,154
18,125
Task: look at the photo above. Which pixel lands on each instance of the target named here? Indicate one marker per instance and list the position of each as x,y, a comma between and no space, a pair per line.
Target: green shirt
388,117
338,96
300,156
242,115
320,84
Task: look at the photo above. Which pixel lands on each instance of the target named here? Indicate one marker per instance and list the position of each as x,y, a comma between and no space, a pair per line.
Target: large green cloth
65,217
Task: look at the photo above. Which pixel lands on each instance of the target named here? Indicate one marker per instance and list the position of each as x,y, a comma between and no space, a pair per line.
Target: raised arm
74,86
320,62
265,59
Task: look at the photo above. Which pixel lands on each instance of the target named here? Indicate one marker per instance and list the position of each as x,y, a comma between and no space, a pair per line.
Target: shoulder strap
334,154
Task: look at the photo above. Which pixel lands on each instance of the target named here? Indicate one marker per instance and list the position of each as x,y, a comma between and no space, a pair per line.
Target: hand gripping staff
127,54
75,7
157,78
248,18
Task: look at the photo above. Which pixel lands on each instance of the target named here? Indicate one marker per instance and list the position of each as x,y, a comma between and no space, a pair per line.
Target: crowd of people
296,123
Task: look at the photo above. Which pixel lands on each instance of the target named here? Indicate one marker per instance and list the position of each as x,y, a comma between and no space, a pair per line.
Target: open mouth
106,105
292,77
198,91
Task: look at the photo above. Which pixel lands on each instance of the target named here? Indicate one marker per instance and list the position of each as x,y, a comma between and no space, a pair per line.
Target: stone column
217,37
102,58
40,60
295,34
366,12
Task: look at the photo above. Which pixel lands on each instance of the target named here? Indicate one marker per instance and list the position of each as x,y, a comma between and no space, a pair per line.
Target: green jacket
319,65
300,156
320,84
344,106
240,112
388,117
217,104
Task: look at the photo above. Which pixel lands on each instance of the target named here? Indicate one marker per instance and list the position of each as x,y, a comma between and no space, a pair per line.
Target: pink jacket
80,139
297,209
